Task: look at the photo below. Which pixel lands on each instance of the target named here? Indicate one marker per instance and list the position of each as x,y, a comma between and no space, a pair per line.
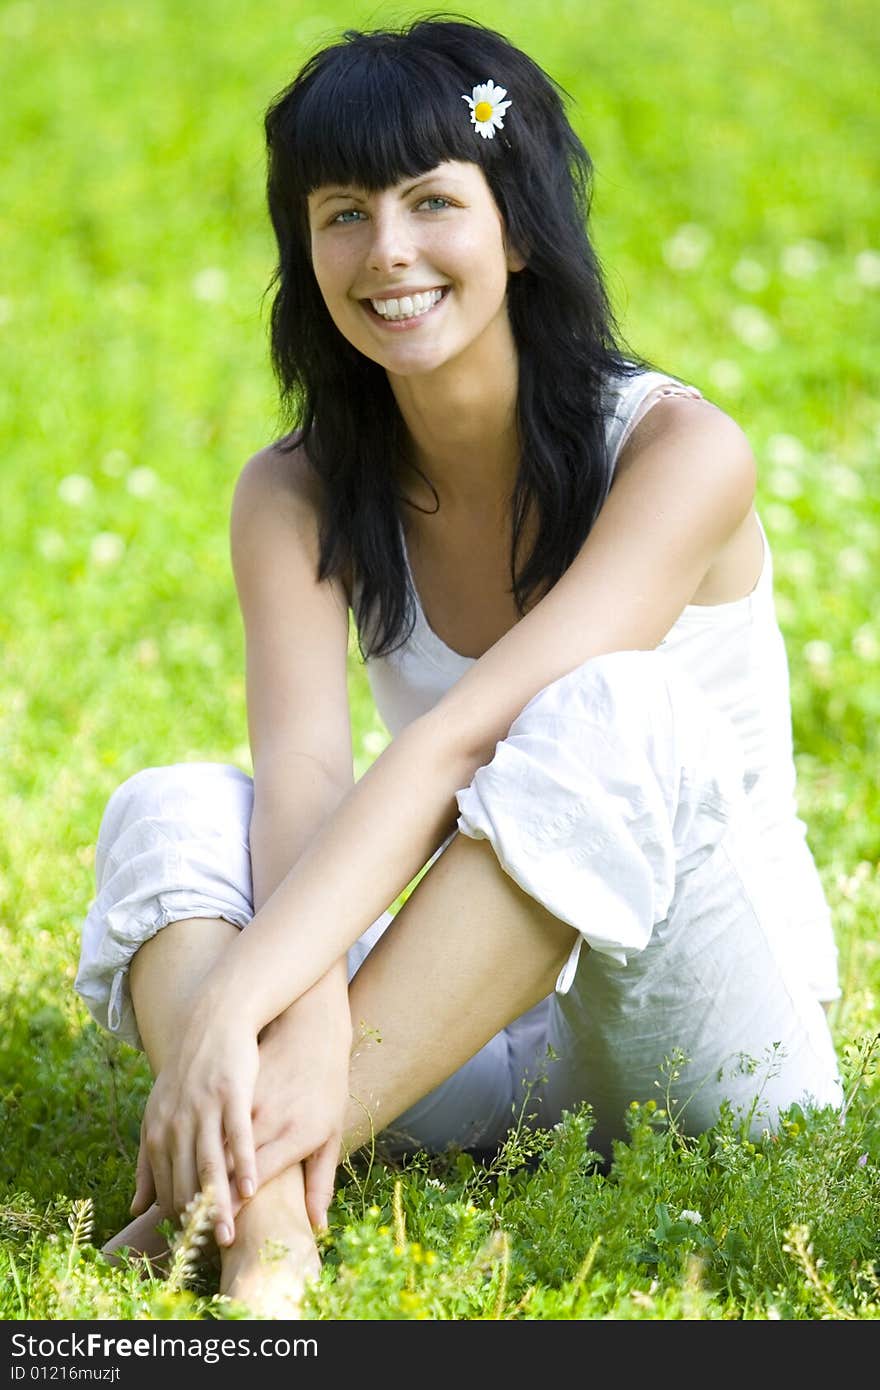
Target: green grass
736,211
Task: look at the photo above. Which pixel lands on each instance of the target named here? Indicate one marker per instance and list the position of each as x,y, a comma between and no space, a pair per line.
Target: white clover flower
785,483
210,654
851,885
865,644
141,482
210,284
146,652
786,610
749,275
802,259
693,1217
726,375
845,481
801,564
868,268
51,545
779,517
852,561
785,449
819,654
753,327
75,489
487,108
107,548
127,294
686,249
114,463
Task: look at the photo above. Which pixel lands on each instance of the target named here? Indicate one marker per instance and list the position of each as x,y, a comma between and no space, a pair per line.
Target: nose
391,245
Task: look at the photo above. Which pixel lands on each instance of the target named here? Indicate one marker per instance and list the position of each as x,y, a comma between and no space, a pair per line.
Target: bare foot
140,1237
270,1277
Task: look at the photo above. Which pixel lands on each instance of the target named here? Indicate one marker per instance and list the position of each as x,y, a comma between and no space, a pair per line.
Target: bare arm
296,642
665,520
296,637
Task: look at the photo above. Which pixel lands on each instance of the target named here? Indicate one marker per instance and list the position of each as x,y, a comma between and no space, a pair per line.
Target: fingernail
323,1219
224,1235
246,1187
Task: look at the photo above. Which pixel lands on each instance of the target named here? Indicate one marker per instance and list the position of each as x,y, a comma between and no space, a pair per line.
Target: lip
402,291
404,325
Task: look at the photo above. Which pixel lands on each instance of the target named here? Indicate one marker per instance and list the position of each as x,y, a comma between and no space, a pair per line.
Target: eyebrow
340,193
357,197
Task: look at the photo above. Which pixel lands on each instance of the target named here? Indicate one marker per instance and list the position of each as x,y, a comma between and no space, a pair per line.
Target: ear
515,261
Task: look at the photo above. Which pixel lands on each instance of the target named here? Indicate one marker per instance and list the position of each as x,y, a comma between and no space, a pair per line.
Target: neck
461,420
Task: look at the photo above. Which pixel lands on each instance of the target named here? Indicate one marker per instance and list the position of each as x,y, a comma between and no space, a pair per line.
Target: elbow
456,748
282,778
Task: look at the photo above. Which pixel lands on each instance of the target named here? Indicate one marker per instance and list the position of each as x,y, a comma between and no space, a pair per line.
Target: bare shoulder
692,458
275,518
695,432
278,497
278,476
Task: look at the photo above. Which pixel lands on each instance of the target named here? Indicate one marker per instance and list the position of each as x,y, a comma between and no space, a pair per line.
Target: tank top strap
630,399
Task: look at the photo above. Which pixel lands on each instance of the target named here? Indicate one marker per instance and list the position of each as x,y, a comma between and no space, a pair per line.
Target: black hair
350,116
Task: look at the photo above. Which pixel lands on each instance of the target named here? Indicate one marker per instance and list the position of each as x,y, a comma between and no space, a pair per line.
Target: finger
161,1168
319,1171
214,1183
235,1198
239,1131
144,1187
274,1157
236,1201
185,1174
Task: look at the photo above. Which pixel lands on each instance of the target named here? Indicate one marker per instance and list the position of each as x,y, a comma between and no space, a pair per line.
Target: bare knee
166,974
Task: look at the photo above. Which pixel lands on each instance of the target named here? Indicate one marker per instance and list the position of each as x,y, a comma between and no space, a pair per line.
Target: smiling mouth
413,306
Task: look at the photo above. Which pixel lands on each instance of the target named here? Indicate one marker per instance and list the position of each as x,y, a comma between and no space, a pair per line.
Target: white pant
617,801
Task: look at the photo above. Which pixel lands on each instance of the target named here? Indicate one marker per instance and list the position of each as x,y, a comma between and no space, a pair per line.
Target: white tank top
734,652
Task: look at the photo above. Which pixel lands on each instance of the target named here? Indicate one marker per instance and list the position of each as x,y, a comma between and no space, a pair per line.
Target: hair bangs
380,118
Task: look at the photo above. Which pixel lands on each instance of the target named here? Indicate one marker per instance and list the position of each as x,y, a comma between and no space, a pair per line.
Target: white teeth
409,307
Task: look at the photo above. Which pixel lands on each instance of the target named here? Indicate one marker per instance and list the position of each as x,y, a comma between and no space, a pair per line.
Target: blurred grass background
736,212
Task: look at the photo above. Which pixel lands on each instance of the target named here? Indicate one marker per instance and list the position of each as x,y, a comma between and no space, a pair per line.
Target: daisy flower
487,108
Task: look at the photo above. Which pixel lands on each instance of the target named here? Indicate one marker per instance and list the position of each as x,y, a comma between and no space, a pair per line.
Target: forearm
290,807
382,833
289,810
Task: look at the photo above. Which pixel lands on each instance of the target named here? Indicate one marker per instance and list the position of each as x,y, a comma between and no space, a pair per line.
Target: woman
564,597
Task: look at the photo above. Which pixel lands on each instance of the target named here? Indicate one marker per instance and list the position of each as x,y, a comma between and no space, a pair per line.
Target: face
415,275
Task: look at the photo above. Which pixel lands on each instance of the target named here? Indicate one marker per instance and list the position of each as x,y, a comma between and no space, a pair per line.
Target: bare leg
274,1249
467,953
186,950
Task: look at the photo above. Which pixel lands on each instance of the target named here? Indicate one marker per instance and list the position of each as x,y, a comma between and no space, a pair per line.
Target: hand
299,1107
302,1091
198,1113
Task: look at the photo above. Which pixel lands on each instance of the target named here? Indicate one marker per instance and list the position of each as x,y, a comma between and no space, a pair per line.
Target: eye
435,203
346,217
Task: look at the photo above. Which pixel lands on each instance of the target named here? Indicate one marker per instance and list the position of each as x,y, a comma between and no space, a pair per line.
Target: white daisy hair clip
487,108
